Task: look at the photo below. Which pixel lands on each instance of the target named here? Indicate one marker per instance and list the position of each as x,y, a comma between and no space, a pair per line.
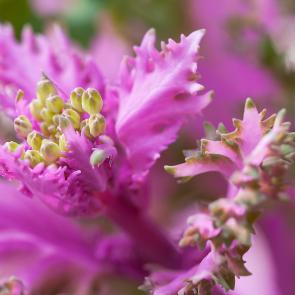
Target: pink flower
84,152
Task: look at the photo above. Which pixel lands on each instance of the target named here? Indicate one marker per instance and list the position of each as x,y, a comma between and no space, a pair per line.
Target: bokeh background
248,50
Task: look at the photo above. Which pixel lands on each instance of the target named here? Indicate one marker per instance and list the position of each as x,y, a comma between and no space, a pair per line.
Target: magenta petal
193,167
158,92
32,237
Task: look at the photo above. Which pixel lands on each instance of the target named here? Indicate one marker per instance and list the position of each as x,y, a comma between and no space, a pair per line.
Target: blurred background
248,49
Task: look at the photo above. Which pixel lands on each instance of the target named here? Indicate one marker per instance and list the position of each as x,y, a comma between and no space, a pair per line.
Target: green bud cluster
54,115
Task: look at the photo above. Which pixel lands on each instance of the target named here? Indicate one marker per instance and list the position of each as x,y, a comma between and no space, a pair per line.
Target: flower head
63,149
64,157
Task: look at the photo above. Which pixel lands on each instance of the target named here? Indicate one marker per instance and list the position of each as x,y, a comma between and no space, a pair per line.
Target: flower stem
151,240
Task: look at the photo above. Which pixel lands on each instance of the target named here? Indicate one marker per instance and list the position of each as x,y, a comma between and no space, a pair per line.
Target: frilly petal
60,188
158,91
22,64
249,142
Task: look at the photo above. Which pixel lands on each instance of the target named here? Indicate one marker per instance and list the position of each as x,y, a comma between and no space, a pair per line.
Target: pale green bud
63,145
34,157
97,157
45,88
96,125
91,101
73,116
85,128
45,128
50,151
52,129
76,99
35,109
22,126
46,115
61,121
34,140
83,123
19,95
55,104
11,146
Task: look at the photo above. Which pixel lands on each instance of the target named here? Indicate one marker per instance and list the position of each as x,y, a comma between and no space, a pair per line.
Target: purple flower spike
255,158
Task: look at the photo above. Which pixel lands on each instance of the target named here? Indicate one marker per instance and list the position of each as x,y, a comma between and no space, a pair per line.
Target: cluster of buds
50,116
256,169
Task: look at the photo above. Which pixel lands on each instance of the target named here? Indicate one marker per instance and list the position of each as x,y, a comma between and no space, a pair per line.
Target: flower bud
46,115
61,121
62,143
45,128
19,95
76,99
86,132
35,109
34,140
50,151
45,88
34,157
96,125
11,146
73,116
97,157
22,126
55,104
91,101
84,127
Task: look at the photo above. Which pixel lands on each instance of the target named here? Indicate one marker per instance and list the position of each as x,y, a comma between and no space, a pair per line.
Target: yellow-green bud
63,145
83,123
97,157
45,88
50,151
46,115
19,95
76,99
61,121
34,140
86,131
22,126
34,157
73,116
52,129
45,128
96,125
55,104
91,101
11,146
35,109
84,127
